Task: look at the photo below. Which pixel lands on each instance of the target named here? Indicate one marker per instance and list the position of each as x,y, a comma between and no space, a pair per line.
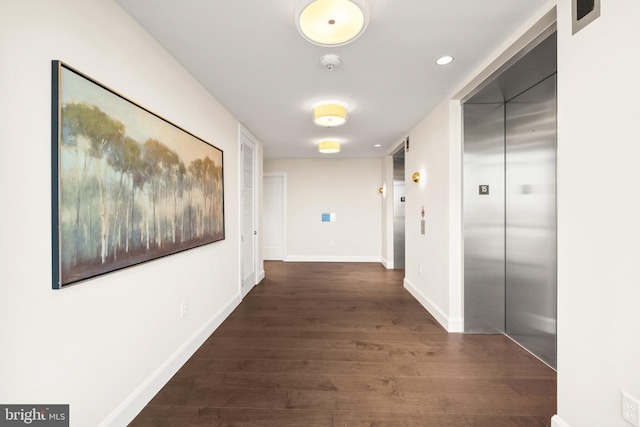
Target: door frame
283,175
243,132
402,148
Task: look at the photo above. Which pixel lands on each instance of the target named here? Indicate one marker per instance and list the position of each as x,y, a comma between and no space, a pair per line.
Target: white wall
434,260
598,215
346,187
427,257
598,208
96,344
104,345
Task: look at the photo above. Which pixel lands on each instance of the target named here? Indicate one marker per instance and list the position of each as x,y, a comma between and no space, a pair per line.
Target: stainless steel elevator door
530,213
484,292
510,231
399,193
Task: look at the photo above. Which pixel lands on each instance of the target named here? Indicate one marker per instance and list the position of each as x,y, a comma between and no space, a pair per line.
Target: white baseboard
556,421
260,276
387,264
330,258
454,324
132,405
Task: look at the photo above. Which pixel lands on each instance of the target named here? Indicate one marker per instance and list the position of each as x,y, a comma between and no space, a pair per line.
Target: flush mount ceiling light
332,22
329,147
330,115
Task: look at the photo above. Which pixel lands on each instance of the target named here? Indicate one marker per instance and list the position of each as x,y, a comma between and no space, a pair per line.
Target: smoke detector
330,61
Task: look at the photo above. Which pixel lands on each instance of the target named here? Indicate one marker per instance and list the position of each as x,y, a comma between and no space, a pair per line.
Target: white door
248,214
274,216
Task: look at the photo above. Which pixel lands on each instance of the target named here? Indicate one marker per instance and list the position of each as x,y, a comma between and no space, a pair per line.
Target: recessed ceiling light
444,60
378,145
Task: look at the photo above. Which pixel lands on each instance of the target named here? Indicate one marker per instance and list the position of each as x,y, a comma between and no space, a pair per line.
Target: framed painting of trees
128,186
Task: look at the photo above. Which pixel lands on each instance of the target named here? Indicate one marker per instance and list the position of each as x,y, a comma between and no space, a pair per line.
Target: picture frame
128,186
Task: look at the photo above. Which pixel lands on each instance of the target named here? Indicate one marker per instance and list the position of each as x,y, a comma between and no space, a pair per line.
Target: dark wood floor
324,344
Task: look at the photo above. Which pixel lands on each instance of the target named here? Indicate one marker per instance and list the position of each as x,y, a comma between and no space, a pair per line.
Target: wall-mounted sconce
416,177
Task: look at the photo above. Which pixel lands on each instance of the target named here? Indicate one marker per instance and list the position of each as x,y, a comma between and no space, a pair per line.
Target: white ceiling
250,56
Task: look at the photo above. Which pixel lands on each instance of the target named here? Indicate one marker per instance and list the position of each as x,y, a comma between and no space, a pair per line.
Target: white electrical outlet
183,309
419,269
630,410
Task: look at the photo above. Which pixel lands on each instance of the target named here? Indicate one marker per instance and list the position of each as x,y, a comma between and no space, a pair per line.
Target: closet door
248,214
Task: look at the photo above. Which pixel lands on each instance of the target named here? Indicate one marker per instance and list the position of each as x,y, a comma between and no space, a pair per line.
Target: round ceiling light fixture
332,22
444,60
329,147
329,115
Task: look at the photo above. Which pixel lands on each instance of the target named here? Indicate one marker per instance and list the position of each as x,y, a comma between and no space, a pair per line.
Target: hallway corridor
327,344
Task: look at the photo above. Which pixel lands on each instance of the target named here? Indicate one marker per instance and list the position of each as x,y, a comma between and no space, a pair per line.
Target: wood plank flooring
328,344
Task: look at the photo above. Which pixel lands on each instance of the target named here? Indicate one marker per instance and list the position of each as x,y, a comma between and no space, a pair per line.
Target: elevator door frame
536,66
399,192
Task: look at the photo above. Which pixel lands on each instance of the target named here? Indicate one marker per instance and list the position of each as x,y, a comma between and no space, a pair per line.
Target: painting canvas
128,186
